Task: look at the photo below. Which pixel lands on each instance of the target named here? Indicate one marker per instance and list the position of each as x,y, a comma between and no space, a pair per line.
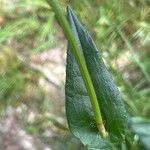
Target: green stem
81,64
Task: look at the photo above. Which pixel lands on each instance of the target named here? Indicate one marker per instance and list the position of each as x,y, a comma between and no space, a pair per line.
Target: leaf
78,108
141,127
107,92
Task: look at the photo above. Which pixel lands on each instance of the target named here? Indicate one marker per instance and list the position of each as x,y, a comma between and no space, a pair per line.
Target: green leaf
107,92
78,107
141,127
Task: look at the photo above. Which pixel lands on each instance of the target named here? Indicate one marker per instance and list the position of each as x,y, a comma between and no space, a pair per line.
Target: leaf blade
79,110
78,107
107,92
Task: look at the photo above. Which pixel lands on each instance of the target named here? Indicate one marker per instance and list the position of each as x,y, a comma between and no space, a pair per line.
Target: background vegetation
32,69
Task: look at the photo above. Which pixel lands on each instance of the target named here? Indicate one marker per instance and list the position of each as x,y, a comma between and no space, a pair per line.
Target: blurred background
32,69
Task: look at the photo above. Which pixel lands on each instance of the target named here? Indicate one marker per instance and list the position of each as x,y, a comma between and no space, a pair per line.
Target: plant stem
81,64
